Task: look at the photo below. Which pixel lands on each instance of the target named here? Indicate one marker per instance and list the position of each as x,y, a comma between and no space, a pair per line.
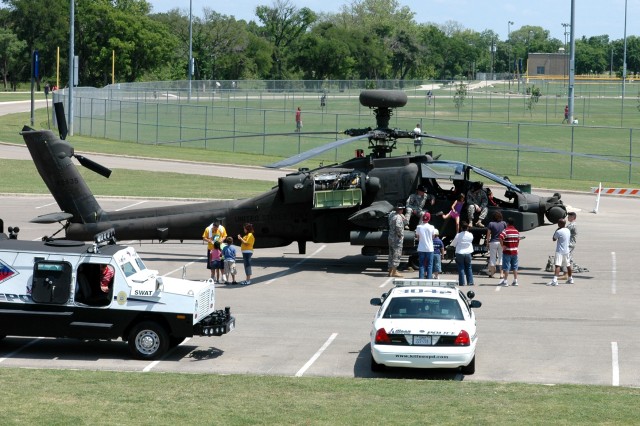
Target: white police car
424,324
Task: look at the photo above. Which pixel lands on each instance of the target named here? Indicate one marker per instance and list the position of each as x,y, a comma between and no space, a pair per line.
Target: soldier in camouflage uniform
416,203
397,223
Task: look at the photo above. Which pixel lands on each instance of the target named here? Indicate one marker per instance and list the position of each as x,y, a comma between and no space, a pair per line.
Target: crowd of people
502,238
221,253
502,242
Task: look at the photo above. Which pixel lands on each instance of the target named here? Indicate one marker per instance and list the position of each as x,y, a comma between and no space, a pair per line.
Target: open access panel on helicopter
52,289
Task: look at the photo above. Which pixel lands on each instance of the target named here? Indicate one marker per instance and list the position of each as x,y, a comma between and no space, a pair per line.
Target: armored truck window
88,289
51,282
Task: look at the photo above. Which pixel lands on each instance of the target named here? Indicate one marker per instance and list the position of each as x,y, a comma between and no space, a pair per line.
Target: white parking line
614,268
386,282
154,363
131,205
182,267
33,342
316,355
615,368
45,205
297,264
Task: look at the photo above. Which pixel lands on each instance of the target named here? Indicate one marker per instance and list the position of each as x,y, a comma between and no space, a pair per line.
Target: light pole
624,56
572,61
566,33
493,54
509,24
190,71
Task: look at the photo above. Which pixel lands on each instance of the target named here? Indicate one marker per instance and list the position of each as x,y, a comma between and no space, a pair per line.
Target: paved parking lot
309,315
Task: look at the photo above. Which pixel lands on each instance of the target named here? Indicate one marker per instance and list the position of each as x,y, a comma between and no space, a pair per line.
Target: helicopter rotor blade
93,166
313,152
450,139
528,148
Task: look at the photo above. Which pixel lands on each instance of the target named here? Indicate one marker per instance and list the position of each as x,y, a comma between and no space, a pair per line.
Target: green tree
13,55
43,25
592,55
283,24
406,54
325,53
222,47
139,42
459,96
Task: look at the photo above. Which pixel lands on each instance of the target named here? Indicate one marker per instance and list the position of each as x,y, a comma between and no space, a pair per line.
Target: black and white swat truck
53,289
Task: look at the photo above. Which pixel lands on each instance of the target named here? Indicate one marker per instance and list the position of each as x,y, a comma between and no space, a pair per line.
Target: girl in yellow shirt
246,247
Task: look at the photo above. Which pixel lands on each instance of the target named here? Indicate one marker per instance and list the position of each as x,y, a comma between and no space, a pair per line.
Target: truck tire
148,340
375,367
175,341
469,369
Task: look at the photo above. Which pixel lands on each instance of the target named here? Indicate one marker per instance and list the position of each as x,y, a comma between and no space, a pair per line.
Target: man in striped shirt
509,241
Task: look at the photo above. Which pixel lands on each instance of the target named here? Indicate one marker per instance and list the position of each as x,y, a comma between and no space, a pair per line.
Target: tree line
365,39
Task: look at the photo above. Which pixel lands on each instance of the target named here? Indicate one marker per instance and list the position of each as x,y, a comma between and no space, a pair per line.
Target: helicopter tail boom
52,158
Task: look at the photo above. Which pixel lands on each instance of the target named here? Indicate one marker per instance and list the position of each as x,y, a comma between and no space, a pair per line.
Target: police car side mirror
376,301
475,304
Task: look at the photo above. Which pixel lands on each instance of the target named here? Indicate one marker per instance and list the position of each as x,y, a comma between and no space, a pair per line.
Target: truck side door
51,282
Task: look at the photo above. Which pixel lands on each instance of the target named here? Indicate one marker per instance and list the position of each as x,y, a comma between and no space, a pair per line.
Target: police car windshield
423,308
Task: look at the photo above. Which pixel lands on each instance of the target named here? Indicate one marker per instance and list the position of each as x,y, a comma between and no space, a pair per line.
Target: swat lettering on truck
63,288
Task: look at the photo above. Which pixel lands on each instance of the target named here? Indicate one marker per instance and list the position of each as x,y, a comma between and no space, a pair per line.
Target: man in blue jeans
509,240
424,234
463,242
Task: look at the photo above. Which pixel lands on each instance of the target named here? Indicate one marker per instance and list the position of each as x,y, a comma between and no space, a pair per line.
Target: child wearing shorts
229,253
216,262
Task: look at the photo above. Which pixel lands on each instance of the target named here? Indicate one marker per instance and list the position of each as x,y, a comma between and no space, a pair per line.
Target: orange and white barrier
599,190
616,191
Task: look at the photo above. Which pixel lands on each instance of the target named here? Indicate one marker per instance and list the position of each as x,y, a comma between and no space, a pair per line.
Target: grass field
95,397
235,123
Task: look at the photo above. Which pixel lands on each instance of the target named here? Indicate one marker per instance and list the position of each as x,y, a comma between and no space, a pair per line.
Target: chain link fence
514,131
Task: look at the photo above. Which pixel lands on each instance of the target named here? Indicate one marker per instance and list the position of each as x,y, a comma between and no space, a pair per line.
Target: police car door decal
6,272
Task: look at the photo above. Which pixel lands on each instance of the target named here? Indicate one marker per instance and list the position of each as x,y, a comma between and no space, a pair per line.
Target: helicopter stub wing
372,216
52,218
313,152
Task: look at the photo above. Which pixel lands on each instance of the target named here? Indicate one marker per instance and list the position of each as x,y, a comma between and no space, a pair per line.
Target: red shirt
510,238
106,277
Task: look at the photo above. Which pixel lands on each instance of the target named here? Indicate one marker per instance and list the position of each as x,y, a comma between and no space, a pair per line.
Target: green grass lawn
234,124
100,397
552,171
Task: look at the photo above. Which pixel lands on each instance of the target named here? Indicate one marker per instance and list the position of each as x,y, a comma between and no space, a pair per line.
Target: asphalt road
20,152
309,315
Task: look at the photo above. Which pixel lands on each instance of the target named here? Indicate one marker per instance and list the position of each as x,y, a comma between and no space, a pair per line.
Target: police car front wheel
148,340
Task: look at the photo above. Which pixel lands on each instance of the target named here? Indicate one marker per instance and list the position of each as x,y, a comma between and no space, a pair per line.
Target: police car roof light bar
406,282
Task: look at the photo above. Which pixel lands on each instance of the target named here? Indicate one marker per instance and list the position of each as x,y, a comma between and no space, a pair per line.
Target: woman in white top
463,242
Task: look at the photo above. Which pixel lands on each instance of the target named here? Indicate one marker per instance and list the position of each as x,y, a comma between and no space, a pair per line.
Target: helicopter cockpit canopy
453,170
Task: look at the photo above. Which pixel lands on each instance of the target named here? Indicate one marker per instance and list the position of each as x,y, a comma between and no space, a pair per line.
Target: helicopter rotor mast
382,139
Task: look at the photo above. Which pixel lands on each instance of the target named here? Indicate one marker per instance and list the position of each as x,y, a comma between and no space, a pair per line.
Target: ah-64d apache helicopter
347,202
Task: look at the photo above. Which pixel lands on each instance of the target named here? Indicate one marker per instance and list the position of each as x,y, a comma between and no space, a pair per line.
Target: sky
592,17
